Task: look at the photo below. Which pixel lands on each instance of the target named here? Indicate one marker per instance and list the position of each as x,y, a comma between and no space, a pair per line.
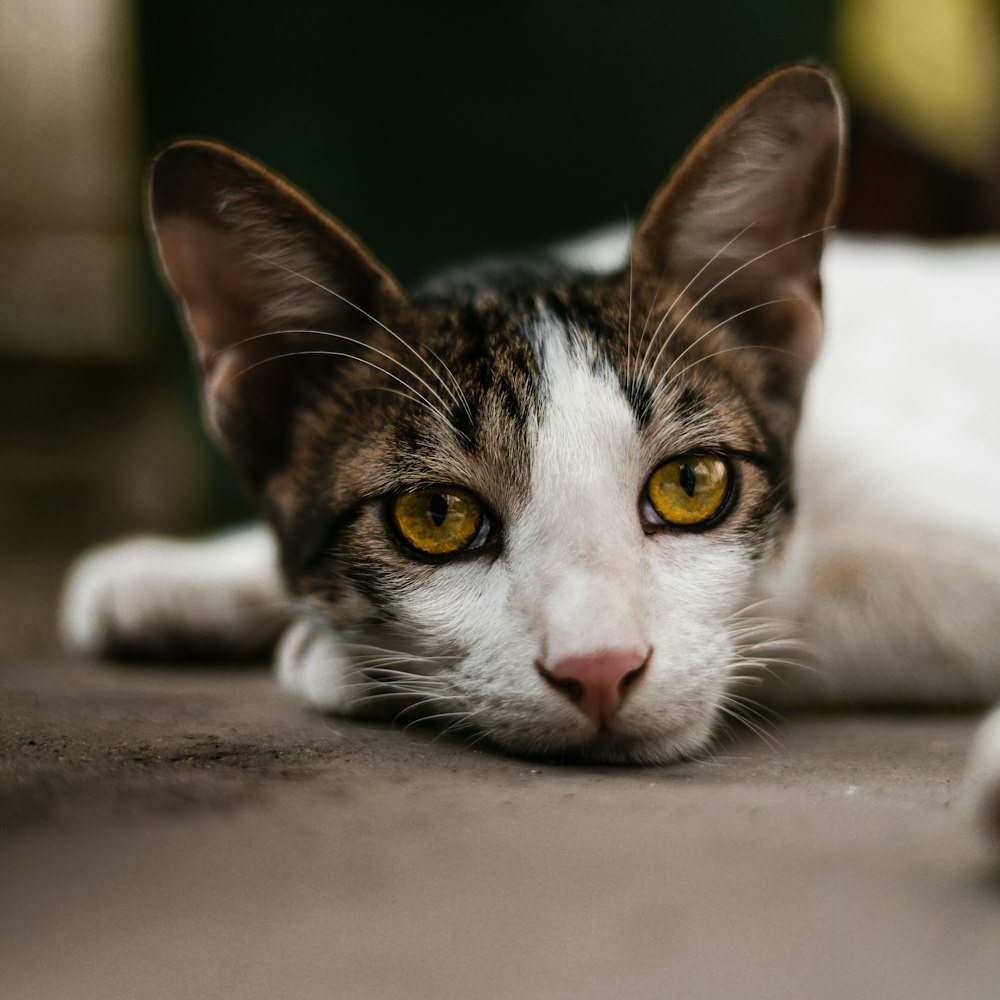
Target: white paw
159,597
311,665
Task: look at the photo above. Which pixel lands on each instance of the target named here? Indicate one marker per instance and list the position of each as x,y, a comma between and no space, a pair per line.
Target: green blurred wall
438,131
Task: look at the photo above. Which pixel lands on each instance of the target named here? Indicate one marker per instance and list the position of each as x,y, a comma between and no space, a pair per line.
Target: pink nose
597,683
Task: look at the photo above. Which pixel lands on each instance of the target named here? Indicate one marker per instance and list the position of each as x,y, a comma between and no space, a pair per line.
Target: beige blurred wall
930,66
69,179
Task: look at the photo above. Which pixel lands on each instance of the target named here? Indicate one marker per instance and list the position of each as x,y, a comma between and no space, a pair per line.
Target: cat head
549,490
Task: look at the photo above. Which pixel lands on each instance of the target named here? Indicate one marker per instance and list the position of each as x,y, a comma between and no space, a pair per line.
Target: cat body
552,503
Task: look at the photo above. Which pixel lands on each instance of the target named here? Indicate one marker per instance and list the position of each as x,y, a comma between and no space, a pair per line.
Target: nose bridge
591,600
599,548
582,512
584,553
589,584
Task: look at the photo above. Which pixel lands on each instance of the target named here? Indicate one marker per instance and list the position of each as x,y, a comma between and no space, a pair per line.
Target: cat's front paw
160,598
311,665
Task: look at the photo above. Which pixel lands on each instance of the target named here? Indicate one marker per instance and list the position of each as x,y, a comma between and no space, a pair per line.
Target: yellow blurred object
930,66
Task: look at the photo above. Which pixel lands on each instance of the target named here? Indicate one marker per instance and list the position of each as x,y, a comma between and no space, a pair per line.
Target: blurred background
436,133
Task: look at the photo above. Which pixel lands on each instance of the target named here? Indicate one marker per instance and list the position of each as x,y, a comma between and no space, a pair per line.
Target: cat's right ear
742,222
254,265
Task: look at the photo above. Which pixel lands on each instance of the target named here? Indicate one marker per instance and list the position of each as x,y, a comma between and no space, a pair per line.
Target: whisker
460,724
382,657
425,719
727,730
644,364
402,682
761,603
415,396
708,333
367,315
392,686
775,630
404,395
349,643
462,398
738,347
756,708
735,712
766,662
628,322
745,679
381,663
478,736
350,340
726,277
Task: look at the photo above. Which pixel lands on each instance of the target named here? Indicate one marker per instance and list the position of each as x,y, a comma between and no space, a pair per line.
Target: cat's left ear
742,221
257,270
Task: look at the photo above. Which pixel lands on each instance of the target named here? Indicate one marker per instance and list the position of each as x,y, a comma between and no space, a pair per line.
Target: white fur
310,663
227,588
897,477
601,251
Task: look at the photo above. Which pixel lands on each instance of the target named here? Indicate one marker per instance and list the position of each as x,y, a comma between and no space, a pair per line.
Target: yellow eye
441,521
689,490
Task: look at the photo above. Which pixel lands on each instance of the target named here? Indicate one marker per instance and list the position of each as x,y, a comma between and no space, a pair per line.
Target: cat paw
311,665
160,598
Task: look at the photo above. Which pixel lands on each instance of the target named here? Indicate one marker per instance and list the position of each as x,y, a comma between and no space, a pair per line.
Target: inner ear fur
743,219
254,264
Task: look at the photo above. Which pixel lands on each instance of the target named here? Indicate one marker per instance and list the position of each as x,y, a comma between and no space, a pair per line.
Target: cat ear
254,266
743,219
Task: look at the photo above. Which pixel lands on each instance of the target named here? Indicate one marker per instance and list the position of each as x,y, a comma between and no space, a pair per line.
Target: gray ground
188,833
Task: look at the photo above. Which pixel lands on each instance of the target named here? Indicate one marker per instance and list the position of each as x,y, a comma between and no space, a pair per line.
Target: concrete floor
174,833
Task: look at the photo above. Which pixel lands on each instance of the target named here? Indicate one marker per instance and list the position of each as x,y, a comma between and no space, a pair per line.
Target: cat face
542,494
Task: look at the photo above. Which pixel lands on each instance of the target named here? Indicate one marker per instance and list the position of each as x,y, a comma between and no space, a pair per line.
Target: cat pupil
438,509
687,480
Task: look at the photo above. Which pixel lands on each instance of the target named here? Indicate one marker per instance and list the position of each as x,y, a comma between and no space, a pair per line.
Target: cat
565,503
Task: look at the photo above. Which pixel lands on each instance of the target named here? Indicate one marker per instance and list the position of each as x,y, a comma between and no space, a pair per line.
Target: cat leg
982,783
160,598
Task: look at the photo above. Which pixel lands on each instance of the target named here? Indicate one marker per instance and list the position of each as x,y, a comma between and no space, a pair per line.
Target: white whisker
358,343
705,335
369,316
644,364
738,347
628,322
413,394
726,277
738,712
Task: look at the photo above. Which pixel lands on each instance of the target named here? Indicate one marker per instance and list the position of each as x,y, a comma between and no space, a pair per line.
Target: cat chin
619,748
